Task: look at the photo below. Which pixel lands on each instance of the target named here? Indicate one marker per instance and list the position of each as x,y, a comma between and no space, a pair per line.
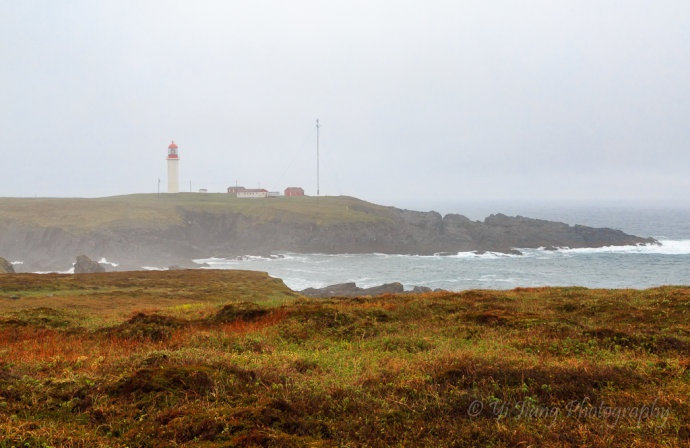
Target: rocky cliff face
408,233
6,267
224,233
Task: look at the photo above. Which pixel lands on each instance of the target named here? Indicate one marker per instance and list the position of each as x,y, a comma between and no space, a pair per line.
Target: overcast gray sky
418,100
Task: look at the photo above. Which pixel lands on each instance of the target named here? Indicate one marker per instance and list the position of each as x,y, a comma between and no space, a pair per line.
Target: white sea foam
216,261
673,247
68,271
483,255
666,247
210,260
496,279
104,261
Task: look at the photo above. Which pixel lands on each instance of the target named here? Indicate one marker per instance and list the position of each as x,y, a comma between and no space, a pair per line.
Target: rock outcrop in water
85,265
144,230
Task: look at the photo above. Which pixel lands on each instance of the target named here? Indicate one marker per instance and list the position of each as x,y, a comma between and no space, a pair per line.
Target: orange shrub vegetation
241,326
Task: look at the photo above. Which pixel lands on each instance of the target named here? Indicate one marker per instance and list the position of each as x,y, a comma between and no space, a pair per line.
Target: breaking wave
665,247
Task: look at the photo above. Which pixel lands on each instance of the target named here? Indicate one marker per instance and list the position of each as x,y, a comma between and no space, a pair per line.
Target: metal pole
317,157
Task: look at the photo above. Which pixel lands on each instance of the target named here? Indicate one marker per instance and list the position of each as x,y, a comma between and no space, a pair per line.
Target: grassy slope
107,297
151,210
210,358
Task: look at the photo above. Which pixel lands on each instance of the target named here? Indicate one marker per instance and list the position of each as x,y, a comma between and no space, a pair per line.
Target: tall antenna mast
317,156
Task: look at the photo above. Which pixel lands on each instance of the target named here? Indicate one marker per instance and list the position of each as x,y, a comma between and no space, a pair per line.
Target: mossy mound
152,327
188,379
245,311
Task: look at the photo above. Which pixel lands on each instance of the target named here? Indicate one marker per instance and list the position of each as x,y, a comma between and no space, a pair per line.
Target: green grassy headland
152,210
206,358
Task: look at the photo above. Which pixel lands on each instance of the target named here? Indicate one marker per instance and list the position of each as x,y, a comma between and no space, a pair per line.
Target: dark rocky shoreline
352,290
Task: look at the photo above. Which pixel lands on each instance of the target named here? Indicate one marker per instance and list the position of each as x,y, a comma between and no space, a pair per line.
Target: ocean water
607,267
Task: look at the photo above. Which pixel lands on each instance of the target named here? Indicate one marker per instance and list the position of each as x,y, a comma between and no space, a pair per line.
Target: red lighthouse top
172,151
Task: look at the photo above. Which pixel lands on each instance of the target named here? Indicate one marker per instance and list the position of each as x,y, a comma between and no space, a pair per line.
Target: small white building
251,193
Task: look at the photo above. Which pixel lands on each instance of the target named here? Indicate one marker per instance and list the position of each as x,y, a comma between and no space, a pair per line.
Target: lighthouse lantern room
173,173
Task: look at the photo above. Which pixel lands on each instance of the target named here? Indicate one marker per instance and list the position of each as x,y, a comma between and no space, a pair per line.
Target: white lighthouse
173,170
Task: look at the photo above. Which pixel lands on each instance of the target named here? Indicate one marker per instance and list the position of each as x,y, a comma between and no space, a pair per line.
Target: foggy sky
418,100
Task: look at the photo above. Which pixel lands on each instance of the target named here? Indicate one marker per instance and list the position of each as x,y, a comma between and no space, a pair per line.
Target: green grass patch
152,211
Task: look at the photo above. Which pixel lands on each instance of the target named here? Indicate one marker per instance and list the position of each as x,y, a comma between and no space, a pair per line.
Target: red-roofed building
294,191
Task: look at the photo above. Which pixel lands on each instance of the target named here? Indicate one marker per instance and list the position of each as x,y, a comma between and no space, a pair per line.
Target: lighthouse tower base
173,176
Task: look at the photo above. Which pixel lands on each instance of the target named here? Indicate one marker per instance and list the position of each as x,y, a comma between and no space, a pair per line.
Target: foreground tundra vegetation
234,358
